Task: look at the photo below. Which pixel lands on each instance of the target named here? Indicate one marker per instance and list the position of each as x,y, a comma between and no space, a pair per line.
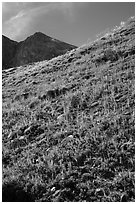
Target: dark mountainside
37,47
69,124
8,51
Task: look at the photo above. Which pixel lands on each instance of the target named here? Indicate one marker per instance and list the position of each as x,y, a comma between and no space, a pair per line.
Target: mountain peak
37,47
40,34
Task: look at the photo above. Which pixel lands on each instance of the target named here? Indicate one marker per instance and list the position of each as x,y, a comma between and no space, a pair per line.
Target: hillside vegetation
68,124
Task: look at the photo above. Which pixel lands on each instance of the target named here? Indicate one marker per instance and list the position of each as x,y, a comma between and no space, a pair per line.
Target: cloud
9,10
16,25
20,18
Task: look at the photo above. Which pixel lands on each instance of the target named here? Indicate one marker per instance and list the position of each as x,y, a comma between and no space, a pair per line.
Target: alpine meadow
68,124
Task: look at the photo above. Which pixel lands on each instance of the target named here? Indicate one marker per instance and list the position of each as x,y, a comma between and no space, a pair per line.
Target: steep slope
35,48
68,124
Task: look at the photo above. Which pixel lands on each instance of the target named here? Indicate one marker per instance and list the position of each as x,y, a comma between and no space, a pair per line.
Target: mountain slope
68,124
35,48
8,51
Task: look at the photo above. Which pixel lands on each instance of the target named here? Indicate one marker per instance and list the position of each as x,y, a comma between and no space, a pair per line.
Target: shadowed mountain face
8,52
37,47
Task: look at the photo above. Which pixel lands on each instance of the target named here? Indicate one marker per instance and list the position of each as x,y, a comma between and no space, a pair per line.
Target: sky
73,22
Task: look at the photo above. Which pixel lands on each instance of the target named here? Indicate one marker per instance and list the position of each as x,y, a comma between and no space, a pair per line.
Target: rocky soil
68,124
